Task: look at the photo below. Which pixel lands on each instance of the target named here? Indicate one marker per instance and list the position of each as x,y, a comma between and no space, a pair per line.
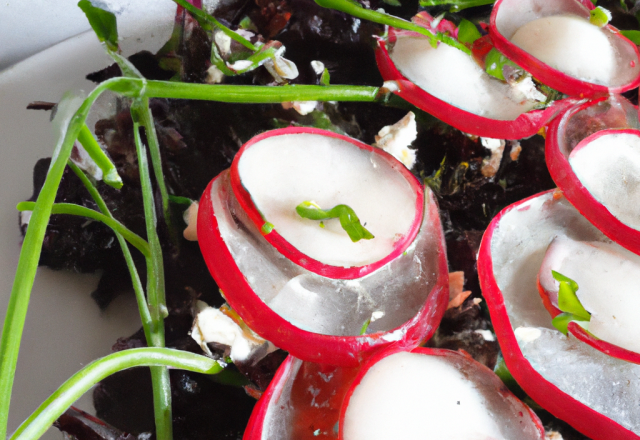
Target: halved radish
450,85
593,155
428,393
597,394
306,401
314,316
556,43
607,275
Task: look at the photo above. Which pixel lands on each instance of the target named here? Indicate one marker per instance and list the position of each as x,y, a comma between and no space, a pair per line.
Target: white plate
65,329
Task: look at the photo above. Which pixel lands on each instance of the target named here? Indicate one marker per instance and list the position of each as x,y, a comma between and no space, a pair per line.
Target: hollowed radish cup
554,41
590,390
306,401
449,84
312,303
593,155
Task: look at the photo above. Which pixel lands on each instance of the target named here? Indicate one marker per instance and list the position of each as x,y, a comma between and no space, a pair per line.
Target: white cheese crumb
318,67
527,334
376,315
302,107
525,90
214,75
223,41
190,217
395,139
486,334
496,146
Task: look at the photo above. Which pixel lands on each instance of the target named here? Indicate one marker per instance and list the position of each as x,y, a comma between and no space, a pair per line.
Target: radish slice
305,401
433,394
275,172
473,101
557,44
593,155
597,394
607,275
314,317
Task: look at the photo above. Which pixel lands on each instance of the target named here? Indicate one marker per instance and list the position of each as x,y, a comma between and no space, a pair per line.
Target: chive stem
31,248
82,211
353,8
83,380
145,317
155,283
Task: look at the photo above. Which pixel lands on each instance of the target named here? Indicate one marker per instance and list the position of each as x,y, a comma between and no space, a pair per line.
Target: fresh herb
599,16
348,219
365,326
266,228
568,303
495,62
456,5
468,32
634,36
102,22
353,8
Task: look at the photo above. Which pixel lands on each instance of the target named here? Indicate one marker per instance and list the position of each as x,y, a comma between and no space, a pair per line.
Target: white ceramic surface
65,329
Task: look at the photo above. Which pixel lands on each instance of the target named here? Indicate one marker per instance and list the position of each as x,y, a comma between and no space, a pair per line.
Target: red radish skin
330,387
525,125
290,251
557,159
549,396
314,347
548,75
461,356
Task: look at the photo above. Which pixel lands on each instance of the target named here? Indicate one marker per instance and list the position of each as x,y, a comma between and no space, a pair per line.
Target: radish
557,44
310,289
591,390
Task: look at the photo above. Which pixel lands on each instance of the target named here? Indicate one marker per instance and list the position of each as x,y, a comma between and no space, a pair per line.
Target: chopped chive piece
559,277
568,301
348,218
468,32
599,16
325,78
561,322
365,326
267,228
495,63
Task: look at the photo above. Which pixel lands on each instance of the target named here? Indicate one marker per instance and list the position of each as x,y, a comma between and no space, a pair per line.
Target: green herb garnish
599,16
568,303
468,32
348,218
495,62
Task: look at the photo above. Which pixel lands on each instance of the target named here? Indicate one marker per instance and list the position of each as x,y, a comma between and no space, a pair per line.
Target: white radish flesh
416,396
454,77
570,44
280,172
609,167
